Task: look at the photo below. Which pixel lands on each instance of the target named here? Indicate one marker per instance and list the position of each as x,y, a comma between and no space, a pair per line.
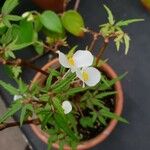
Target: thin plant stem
76,6
101,51
17,123
21,62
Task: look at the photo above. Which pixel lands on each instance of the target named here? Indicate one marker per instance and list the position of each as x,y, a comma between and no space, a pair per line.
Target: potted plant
76,99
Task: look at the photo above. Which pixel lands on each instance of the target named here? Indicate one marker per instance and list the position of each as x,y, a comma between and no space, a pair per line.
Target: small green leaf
110,15
19,46
111,115
127,22
22,86
8,6
110,83
51,21
73,22
16,106
72,51
105,94
16,71
127,43
39,48
27,107
6,22
86,122
12,90
14,17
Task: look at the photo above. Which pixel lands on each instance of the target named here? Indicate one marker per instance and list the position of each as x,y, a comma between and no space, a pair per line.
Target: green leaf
63,83
86,122
110,15
6,22
105,94
127,43
49,82
54,72
73,22
16,47
27,107
72,51
8,6
62,124
102,120
14,17
16,106
58,107
24,33
111,115
12,90
73,91
110,83
39,47
16,71
9,53
7,37
127,22
51,21
22,86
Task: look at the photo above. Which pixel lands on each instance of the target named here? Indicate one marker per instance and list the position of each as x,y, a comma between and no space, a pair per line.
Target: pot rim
110,127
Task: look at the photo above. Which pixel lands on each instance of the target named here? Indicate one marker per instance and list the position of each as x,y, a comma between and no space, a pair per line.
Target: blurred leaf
110,15
39,48
72,51
127,22
111,115
14,17
51,21
105,94
8,6
27,107
73,22
16,71
127,43
86,122
16,106
110,83
24,32
12,90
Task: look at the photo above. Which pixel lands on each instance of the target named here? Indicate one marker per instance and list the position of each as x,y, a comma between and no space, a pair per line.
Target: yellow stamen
85,76
71,61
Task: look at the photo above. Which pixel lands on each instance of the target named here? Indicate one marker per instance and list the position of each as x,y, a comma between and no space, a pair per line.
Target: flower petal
94,76
63,59
83,58
16,97
66,105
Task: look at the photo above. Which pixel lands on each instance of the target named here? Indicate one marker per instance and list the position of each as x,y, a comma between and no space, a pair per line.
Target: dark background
136,85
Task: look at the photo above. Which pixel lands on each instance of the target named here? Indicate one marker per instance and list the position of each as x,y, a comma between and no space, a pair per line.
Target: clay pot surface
55,5
110,127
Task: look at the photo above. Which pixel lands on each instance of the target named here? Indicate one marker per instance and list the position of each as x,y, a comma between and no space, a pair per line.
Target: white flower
81,58
90,76
26,14
16,97
67,107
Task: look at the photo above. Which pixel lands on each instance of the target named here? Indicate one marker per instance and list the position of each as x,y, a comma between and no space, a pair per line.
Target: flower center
85,76
71,61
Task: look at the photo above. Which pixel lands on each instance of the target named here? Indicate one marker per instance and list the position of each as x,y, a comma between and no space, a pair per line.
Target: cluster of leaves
45,102
114,29
19,32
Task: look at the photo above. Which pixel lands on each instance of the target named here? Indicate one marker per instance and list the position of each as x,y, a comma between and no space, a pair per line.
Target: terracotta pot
106,132
55,5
